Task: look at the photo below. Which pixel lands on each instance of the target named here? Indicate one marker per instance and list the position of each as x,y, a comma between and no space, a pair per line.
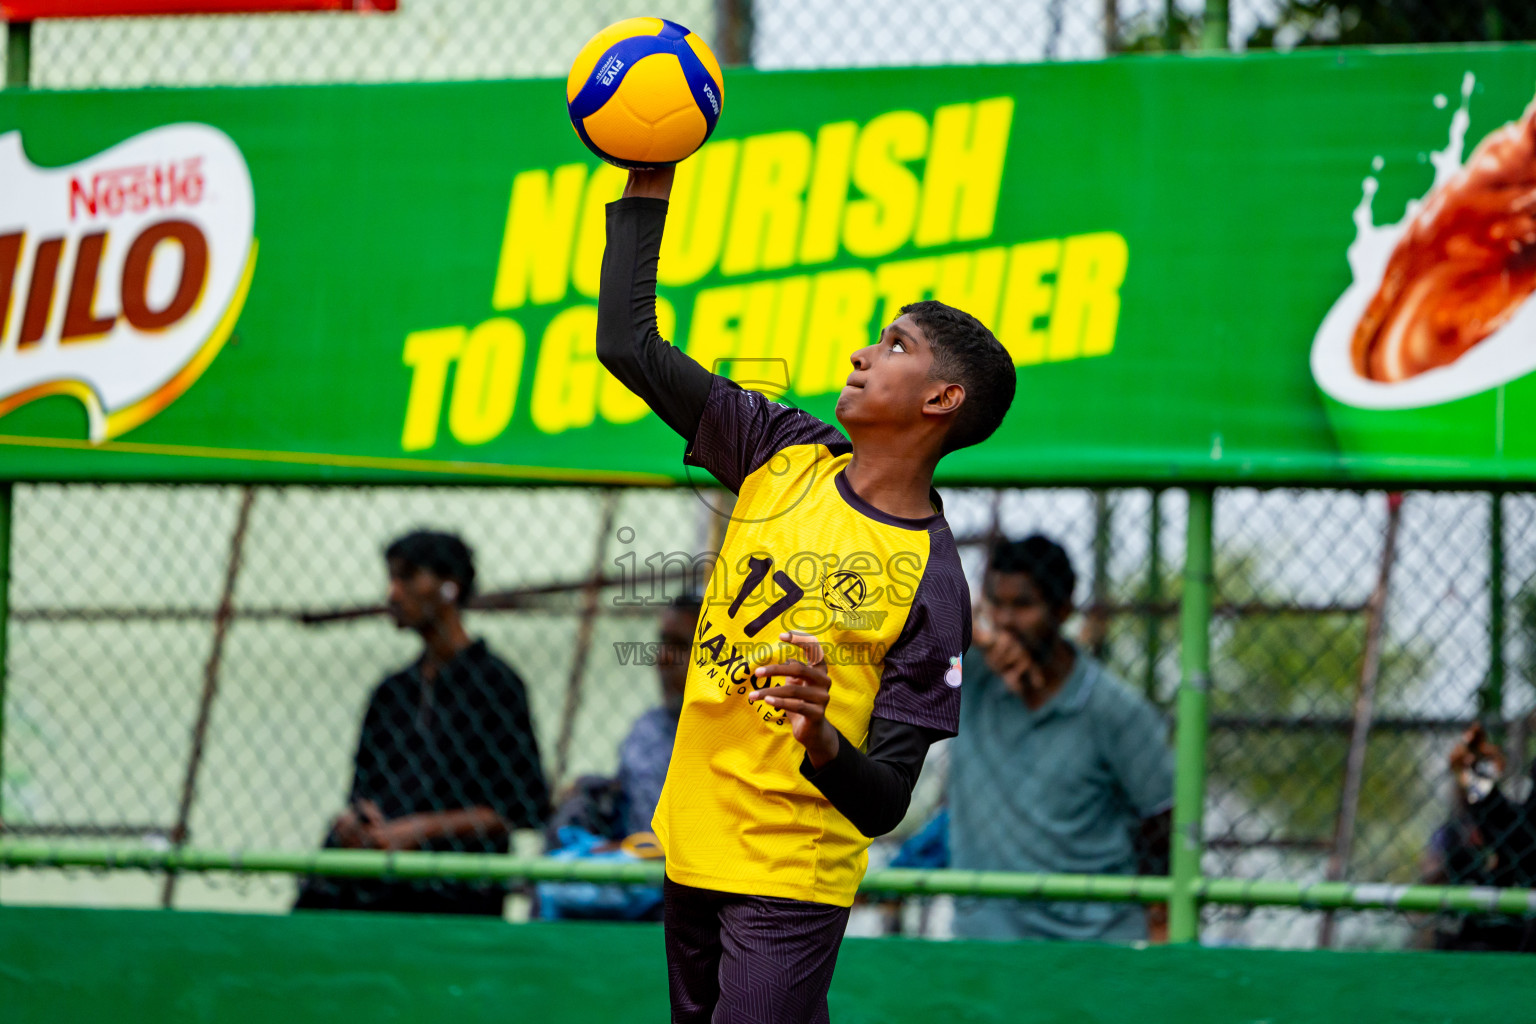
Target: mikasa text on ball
644,92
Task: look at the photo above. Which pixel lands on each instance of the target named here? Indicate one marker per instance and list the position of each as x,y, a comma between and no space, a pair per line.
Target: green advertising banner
1300,268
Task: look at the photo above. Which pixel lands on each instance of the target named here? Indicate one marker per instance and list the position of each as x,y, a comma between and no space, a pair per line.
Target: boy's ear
945,400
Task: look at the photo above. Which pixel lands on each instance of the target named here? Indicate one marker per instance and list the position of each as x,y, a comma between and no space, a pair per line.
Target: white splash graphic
121,276
1504,355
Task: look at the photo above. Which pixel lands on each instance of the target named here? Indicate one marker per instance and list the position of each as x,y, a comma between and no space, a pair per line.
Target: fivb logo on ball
644,92
121,276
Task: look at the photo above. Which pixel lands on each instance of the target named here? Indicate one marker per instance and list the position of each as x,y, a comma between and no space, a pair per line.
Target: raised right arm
628,343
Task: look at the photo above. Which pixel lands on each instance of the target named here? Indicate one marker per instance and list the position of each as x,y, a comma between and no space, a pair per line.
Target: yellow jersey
887,600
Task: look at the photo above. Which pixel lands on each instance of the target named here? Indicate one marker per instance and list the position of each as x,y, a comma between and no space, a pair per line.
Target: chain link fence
440,40
193,664
1355,638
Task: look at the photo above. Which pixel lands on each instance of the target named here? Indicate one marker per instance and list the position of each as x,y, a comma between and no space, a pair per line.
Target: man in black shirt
446,759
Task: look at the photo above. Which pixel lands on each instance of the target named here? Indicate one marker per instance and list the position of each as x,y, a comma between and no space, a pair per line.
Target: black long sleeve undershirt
872,790
628,343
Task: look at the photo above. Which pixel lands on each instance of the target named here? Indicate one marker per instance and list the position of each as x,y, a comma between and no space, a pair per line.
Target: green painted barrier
400,284
66,966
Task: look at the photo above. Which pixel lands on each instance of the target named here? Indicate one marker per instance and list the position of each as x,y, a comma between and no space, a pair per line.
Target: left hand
383,834
349,831
804,699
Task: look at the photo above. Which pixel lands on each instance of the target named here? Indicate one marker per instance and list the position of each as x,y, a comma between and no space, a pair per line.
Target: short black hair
442,554
1041,559
967,353
691,601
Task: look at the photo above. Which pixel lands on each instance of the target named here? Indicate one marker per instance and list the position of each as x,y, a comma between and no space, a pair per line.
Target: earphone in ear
449,590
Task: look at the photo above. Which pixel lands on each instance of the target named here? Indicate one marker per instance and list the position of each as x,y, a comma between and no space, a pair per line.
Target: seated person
1490,840
647,750
611,818
1059,765
447,758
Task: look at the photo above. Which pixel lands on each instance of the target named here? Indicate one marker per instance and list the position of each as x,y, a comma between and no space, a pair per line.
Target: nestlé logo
121,276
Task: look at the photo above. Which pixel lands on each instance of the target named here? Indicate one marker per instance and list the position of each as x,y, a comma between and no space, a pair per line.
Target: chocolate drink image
1463,267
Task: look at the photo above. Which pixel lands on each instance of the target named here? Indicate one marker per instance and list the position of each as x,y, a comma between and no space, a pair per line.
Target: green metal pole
1491,699
1098,626
18,54
1189,744
1213,29
5,618
733,32
1154,595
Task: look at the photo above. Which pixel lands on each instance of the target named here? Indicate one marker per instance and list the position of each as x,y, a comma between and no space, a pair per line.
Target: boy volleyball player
786,764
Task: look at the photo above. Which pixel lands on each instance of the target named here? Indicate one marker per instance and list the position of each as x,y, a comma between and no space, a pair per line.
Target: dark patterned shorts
749,959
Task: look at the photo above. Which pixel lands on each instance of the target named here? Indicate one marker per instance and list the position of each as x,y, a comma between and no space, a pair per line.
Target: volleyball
644,92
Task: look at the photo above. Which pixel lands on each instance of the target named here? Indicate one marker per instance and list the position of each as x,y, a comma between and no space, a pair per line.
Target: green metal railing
891,882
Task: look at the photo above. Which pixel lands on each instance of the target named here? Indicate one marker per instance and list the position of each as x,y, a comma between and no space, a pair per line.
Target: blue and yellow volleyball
644,92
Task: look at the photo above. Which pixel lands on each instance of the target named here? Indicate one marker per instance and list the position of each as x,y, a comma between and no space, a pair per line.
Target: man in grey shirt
1059,765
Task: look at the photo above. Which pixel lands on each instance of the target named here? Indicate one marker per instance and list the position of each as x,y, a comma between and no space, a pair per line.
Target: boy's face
415,595
890,382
